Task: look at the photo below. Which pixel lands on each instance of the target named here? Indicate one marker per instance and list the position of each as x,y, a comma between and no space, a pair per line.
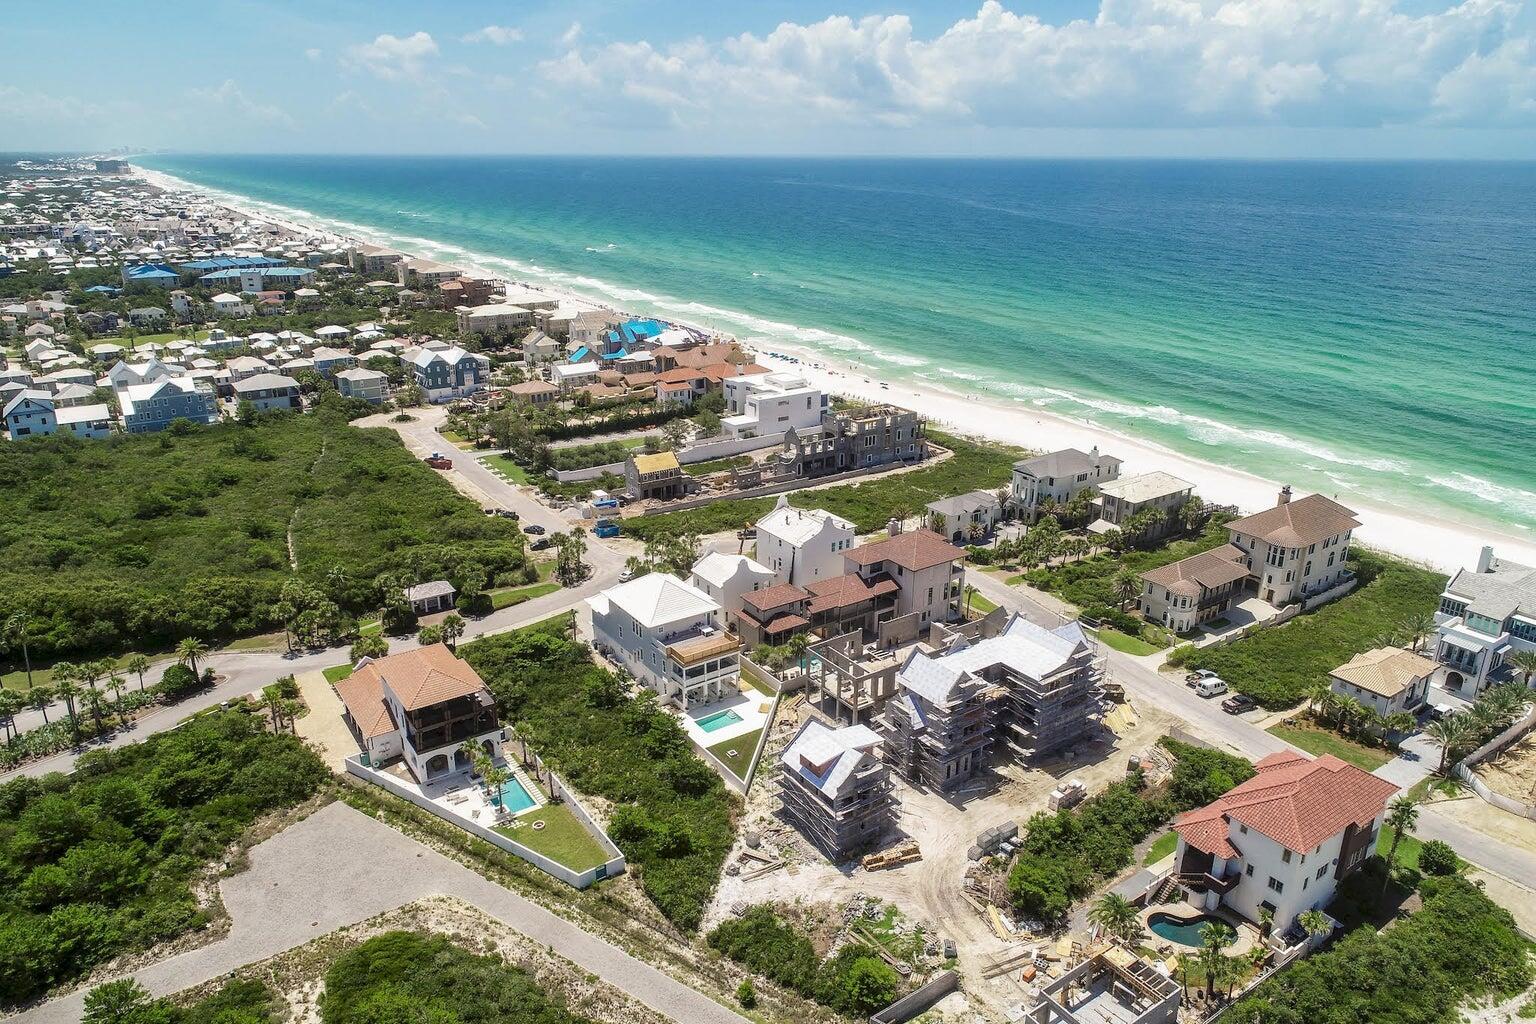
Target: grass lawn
981,604
336,673
162,339
1126,644
1090,582
757,682
456,439
545,568
1321,741
1277,666
374,627
1408,850
517,595
17,680
262,642
562,838
745,746
1165,845
717,465
509,469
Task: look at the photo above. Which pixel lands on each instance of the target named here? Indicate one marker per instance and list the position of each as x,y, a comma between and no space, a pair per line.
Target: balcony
1203,881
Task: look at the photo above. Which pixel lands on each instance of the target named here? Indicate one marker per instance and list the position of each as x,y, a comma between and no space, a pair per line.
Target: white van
1212,687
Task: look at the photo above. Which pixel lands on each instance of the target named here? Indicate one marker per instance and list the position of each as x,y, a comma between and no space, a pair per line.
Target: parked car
1212,687
626,574
507,513
540,544
533,528
1238,703
1195,678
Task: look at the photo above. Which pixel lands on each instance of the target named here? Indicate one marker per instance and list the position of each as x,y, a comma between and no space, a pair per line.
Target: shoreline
1434,541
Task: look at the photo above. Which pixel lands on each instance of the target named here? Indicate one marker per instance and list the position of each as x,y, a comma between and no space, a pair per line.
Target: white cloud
229,97
497,35
313,53
393,57
570,35
1138,64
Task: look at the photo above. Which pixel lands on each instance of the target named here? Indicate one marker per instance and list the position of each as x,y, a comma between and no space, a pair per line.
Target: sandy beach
1439,543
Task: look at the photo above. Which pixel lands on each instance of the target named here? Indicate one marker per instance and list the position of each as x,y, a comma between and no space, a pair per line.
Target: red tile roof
775,596
423,677
1296,801
914,552
845,591
363,695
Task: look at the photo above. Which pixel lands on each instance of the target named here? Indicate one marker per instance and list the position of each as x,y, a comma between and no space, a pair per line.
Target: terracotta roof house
1281,841
1387,680
1296,550
1184,594
420,707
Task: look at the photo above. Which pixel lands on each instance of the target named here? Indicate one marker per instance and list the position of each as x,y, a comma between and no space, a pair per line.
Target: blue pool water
515,798
718,720
1185,931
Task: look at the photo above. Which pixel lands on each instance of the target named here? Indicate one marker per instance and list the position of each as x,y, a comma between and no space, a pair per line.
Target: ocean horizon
1351,327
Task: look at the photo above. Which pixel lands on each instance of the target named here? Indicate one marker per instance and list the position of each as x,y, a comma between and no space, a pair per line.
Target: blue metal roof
151,270
232,262
104,289
580,354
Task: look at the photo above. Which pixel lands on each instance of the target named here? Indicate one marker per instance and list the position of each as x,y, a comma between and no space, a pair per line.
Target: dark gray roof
1067,462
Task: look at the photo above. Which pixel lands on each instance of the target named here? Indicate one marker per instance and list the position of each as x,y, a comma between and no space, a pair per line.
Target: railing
1202,880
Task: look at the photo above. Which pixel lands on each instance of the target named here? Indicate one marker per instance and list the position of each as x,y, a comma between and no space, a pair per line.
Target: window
1248,871
1275,884
1321,871
1242,828
1285,856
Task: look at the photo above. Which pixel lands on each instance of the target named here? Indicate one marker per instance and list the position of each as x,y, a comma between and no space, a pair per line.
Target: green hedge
1459,946
674,820
1277,666
1090,583
854,981
102,862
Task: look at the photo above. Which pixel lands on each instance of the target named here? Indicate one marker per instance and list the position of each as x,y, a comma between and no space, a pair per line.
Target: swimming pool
514,797
1186,931
718,720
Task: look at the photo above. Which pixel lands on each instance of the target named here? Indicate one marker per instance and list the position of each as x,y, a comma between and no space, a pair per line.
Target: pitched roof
1146,487
1296,801
717,567
795,526
1205,571
1067,462
660,462
775,596
843,591
421,678
914,552
1296,524
826,757
656,599
363,694
1507,587
1386,671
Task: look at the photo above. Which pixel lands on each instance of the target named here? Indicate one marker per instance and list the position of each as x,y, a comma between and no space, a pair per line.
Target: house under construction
1035,690
835,789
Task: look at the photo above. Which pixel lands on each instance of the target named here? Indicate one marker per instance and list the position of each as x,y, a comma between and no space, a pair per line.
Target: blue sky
1318,78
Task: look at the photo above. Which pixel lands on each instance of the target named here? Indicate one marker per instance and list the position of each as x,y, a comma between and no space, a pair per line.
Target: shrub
1437,858
746,995
178,681
857,982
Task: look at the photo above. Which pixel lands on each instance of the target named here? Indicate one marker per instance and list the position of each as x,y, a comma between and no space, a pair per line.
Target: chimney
1485,559
1094,453
1285,496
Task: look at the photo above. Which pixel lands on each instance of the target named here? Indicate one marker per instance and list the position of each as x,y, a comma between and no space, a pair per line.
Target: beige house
1193,590
1296,550
1387,679
1119,500
928,571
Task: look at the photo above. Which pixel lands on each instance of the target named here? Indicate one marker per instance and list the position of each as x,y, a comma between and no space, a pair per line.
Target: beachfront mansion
1486,615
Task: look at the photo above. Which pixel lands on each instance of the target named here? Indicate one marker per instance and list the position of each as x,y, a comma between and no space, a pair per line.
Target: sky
1117,78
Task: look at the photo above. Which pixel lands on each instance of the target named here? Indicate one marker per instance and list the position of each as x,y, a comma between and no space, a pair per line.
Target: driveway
338,867
1207,720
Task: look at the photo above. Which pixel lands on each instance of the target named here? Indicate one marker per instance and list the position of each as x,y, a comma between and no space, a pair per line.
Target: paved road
293,892
1207,720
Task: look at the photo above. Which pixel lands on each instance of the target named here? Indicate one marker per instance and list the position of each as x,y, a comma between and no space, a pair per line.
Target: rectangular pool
514,797
718,720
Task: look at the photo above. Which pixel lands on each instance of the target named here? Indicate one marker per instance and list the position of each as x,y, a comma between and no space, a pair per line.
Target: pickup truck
437,460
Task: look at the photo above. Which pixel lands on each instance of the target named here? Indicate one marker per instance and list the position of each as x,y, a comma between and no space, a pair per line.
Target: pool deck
461,797
747,702
1247,934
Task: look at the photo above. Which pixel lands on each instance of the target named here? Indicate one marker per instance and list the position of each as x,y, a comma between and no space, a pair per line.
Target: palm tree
90,672
14,632
1317,697
11,703
189,650
69,690
40,696
1524,662
273,695
971,590
116,683
1419,627
1117,916
1314,923
1452,733
1127,586
1401,816
1214,938
138,665
1398,724
453,628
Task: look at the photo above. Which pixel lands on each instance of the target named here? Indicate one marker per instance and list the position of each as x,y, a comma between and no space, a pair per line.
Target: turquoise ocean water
1363,328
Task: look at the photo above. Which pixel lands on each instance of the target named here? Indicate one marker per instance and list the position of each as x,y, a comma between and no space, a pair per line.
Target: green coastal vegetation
854,980
398,977
1066,854
868,504
673,818
1279,666
104,861
1458,946
141,540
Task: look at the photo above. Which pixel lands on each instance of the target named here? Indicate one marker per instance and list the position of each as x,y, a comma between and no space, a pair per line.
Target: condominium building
835,788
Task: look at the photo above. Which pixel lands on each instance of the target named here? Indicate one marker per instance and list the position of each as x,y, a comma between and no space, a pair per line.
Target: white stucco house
670,636
1283,840
1388,680
727,578
803,545
1486,615
763,404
